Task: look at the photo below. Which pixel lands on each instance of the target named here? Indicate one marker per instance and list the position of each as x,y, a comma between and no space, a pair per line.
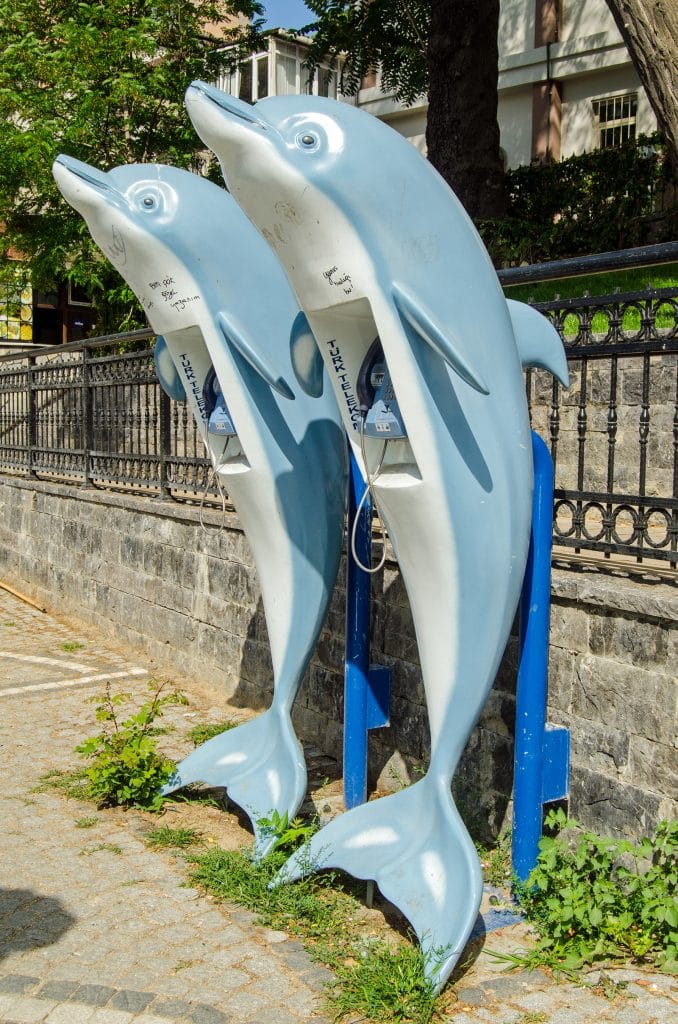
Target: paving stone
172,1008
128,999
57,990
18,983
208,1015
93,995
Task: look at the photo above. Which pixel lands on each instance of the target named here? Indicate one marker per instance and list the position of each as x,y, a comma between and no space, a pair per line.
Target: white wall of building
578,128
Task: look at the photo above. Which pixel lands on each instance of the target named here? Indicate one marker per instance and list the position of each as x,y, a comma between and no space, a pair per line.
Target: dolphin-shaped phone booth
235,342
376,246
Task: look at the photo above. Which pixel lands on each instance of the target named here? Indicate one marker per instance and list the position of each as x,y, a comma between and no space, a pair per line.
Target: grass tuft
178,838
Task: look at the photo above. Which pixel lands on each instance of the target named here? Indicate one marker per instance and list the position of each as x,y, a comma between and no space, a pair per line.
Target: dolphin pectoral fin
236,339
307,361
441,341
260,763
539,343
415,846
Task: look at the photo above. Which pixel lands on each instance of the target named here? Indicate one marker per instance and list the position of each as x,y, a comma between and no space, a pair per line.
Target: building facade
566,84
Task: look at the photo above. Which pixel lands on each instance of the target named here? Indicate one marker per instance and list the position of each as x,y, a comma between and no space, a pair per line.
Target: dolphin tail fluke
260,763
416,847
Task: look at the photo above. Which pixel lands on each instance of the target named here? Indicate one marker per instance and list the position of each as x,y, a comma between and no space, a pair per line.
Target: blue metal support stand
542,752
367,688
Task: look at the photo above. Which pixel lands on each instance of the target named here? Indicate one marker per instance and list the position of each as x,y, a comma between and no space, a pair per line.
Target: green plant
323,910
71,645
288,834
173,837
200,734
101,848
89,821
596,899
125,767
496,860
72,784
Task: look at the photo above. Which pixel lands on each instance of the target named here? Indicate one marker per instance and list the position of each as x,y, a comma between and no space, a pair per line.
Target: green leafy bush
595,202
125,766
593,899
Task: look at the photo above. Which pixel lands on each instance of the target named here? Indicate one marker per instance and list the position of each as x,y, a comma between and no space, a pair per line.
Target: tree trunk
462,134
650,30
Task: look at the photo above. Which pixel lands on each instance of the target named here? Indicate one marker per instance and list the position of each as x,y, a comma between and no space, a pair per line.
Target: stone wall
185,596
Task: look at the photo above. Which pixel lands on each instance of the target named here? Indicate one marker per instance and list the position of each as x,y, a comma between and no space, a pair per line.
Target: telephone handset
378,403
219,420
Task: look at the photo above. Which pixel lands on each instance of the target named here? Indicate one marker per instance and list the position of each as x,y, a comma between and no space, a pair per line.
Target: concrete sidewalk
96,928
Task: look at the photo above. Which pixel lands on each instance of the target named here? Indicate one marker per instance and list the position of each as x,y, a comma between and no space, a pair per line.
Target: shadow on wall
29,920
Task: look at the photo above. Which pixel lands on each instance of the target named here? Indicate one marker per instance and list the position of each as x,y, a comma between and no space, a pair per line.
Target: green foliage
104,83
371,33
71,645
596,899
125,767
166,837
89,821
200,734
595,202
495,860
288,834
322,910
384,985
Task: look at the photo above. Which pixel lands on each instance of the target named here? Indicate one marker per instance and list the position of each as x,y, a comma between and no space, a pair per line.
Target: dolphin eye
307,140
148,202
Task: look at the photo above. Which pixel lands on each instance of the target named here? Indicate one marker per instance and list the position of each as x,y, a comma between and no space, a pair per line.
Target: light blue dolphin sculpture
375,244
211,286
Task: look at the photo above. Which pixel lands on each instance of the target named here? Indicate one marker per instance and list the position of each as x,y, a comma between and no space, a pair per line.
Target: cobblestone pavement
96,928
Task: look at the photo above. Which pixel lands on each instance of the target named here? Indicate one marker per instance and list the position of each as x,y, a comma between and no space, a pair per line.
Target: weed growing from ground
593,899
288,834
72,784
71,645
200,734
125,767
89,821
101,848
180,838
496,860
373,980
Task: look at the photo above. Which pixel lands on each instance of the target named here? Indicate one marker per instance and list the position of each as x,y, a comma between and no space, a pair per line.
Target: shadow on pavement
29,920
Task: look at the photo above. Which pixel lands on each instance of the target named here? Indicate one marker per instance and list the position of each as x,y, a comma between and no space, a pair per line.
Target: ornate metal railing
93,413
614,432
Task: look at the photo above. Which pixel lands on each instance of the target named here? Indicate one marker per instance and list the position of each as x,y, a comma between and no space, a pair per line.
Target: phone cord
369,490
213,471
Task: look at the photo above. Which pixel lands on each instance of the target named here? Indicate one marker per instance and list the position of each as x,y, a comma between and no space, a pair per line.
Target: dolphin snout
66,168
233,106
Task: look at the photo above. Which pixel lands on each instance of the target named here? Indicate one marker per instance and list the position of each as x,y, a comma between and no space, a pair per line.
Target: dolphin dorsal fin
539,343
307,361
442,342
234,338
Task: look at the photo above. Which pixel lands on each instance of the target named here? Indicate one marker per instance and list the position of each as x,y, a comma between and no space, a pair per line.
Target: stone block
654,766
569,626
629,639
599,747
641,703
561,670
610,806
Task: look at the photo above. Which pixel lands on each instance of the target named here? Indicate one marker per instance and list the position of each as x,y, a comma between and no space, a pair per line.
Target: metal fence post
32,438
164,443
87,420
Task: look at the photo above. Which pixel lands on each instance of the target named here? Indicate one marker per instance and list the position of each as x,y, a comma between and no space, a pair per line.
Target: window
251,81
16,308
615,119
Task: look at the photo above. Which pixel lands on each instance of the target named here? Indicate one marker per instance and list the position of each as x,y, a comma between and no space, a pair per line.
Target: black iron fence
93,413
